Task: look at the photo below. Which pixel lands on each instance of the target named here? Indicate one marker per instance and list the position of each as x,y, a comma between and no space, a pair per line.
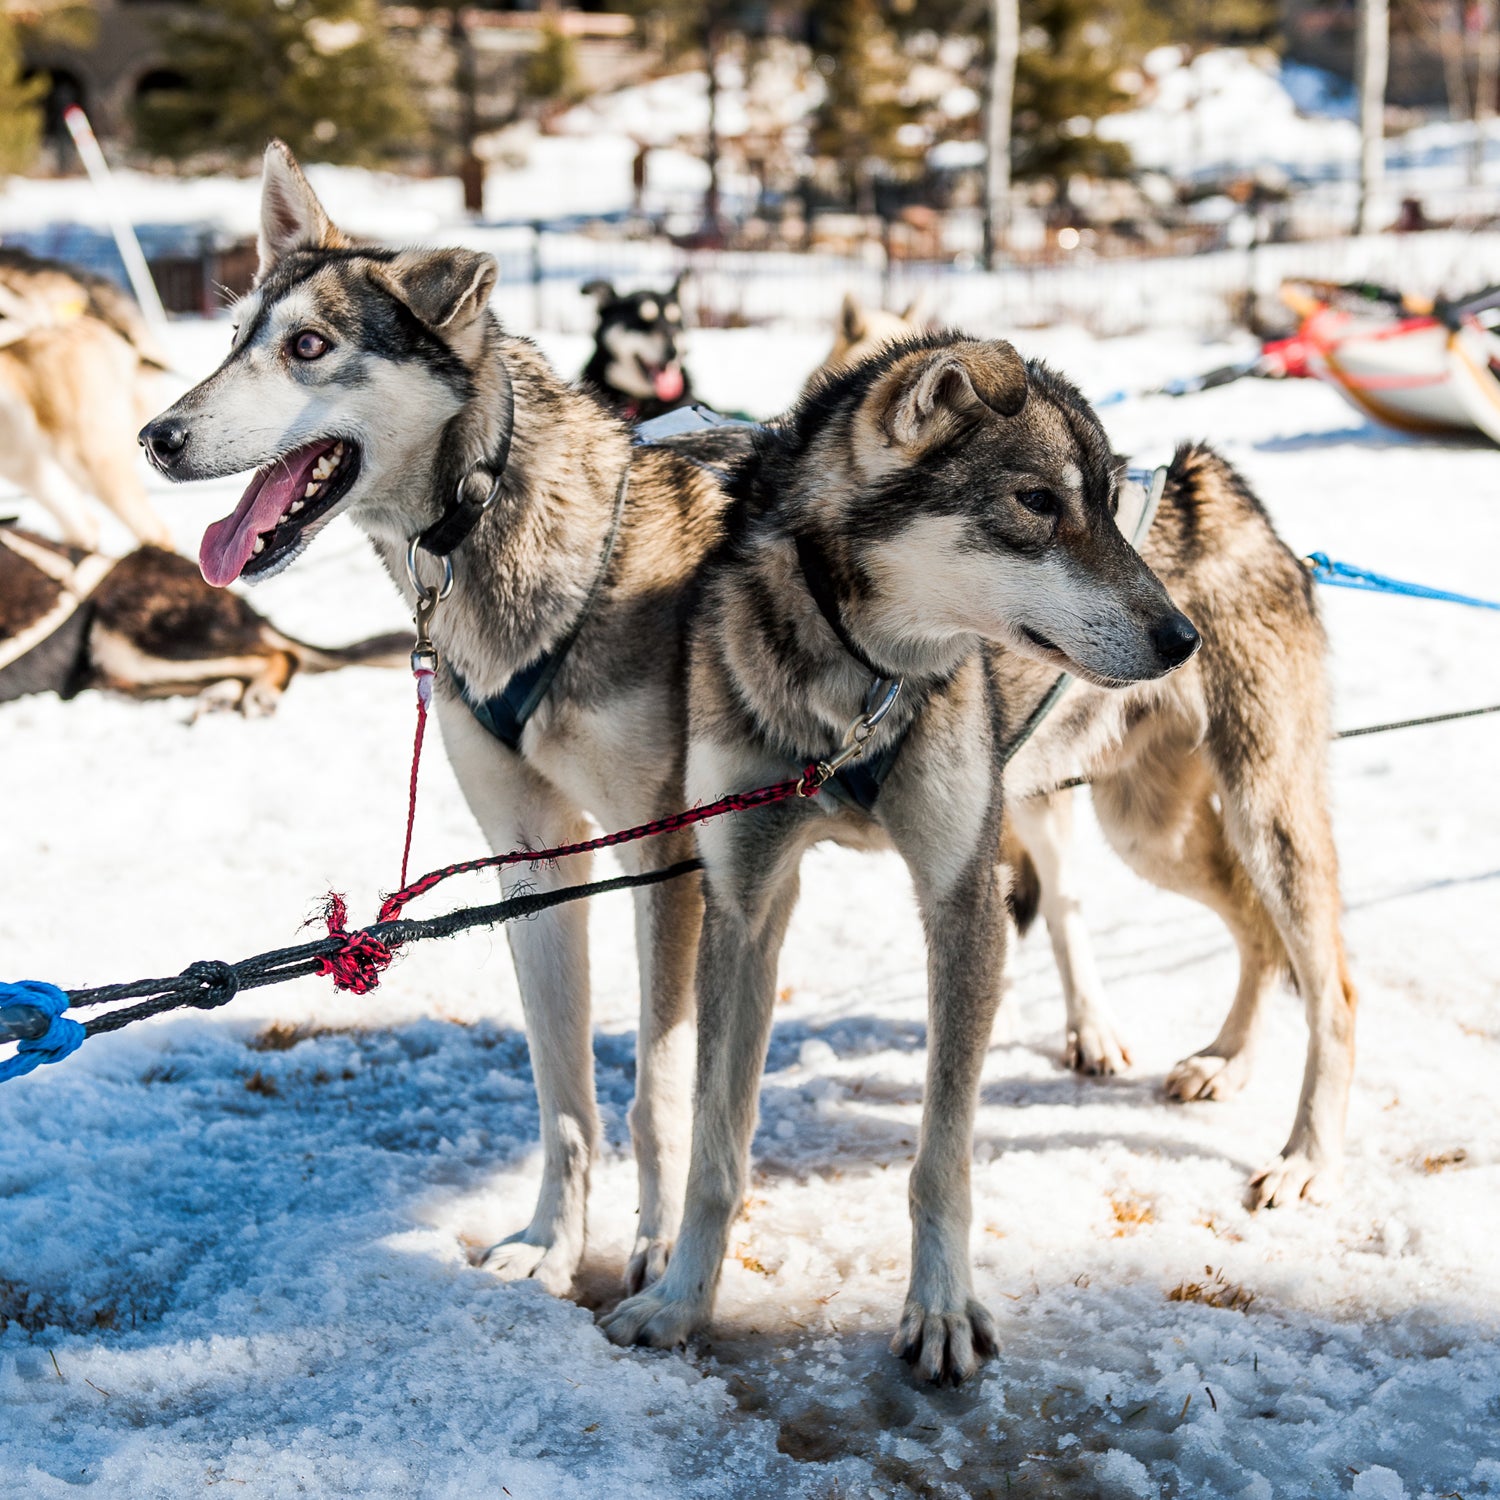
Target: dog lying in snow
913,556
636,366
147,625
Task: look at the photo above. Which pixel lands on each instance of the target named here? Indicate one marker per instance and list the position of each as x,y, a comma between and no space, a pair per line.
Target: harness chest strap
507,713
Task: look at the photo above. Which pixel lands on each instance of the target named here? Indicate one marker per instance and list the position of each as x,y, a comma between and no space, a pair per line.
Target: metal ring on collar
443,589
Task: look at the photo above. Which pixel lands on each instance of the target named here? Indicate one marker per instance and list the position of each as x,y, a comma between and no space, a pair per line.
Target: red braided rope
424,697
805,785
358,965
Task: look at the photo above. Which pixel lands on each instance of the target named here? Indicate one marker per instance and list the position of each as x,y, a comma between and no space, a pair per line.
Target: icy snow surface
235,1244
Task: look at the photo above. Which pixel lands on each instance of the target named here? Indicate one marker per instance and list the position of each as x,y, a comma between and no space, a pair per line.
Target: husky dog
67,291
636,366
860,330
941,517
379,383
147,625
73,389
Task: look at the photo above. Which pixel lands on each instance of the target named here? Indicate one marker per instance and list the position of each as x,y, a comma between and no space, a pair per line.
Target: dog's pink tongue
229,544
668,382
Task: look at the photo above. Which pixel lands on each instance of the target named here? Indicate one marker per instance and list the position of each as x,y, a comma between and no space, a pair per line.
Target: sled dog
941,516
636,367
73,390
378,383
147,625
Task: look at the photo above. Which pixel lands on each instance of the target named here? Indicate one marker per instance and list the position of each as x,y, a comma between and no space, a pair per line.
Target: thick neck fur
523,575
789,666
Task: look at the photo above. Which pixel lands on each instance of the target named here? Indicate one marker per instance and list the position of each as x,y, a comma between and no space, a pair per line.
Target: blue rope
1344,575
61,1038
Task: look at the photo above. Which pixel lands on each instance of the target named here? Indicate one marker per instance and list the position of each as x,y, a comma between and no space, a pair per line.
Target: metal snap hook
439,591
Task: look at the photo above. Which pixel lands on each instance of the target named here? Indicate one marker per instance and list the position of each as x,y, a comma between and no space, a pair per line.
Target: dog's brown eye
309,345
1039,502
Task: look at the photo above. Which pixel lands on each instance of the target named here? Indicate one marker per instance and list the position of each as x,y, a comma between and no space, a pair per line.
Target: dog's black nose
1175,639
164,439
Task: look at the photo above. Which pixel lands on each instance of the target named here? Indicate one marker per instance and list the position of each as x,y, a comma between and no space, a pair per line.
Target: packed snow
236,1246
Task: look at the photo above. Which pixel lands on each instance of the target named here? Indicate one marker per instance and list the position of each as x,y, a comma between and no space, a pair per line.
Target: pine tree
1071,51
859,121
20,104
317,73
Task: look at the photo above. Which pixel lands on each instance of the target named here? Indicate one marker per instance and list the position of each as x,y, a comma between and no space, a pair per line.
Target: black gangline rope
210,983
207,985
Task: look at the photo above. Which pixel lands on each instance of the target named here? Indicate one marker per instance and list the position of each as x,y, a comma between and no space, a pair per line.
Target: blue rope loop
25,1005
1344,575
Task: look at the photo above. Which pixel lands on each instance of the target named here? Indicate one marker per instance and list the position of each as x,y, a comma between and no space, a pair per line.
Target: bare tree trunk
1372,62
1486,82
711,145
1005,48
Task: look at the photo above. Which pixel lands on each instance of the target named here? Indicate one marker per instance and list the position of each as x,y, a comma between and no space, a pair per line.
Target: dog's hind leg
27,464
667,921
516,808
1276,816
1160,817
1045,826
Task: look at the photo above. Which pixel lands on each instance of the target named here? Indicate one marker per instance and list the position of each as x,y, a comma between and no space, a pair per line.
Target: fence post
537,309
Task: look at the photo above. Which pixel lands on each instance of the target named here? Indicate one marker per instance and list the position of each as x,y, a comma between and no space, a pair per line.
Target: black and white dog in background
636,367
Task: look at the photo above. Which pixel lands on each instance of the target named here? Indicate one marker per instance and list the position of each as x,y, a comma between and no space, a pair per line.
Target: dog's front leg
667,922
516,808
945,1330
737,953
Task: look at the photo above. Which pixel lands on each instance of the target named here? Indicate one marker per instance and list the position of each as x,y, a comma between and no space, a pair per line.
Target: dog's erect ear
446,289
675,290
961,379
603,293
915,311
291,218
852,319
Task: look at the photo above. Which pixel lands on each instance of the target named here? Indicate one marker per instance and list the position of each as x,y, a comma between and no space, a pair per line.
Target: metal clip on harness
879,701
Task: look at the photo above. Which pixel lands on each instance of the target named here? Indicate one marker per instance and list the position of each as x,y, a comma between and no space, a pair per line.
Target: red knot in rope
358,965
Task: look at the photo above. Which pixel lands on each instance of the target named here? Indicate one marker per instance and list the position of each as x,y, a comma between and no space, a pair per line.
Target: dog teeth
325,466
260,545
294,507
338,450
312,489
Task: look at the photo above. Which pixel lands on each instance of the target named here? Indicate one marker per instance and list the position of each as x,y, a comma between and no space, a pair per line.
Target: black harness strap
818,577
453,528
507,713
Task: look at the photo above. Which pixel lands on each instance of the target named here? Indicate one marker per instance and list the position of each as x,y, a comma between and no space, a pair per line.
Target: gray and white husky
379,383
942,516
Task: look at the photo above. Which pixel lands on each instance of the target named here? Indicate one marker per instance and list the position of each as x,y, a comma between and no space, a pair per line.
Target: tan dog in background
76,368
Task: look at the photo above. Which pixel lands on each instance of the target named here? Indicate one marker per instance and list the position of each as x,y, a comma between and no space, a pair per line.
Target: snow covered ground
234,1246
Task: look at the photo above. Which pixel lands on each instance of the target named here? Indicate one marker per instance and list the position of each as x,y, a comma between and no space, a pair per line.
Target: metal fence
544,266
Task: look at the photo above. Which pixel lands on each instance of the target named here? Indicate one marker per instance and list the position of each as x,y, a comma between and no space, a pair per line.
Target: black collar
818,576
477,489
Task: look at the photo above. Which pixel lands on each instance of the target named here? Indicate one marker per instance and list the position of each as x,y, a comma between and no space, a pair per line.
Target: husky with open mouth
914,554
378,383
636,366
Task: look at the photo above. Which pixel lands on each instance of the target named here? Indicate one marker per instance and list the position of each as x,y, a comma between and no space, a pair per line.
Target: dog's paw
260,701
219,697
516,1259
1290,1179
945,1346
647,1264
1095,1048
655,1318
1207,1075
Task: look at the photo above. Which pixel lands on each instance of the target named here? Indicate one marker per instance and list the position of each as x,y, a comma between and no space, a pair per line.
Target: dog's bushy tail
1025,894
